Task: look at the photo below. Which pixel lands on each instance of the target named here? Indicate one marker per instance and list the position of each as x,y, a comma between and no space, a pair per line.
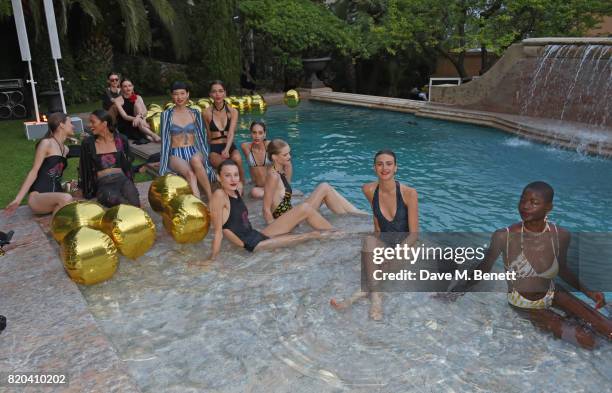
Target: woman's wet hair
226,162
275,147
541,188
258,123
113,73
387,152
216,82
178,85
53,122
104,116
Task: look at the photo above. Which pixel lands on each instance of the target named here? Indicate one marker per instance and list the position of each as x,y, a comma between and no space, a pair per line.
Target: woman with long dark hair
43,182
221,121
105,168
258,160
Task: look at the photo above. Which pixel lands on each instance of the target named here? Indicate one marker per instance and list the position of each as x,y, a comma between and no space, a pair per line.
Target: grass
17,152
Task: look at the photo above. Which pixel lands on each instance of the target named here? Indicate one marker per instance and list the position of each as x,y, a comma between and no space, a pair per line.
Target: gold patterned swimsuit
285,204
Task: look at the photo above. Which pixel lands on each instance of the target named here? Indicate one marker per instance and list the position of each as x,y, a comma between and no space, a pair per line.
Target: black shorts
219,147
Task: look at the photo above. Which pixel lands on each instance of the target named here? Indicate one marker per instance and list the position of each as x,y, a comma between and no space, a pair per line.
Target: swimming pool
262,322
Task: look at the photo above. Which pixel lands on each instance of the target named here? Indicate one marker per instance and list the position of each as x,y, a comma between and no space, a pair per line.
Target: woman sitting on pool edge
229,217
536,250
43,182
278,192
105,168
184,146
388,198
257,158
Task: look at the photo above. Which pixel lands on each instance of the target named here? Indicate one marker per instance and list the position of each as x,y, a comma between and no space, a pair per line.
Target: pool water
262,322
469,178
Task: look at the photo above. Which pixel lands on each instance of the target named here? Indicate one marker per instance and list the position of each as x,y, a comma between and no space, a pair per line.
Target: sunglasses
114,79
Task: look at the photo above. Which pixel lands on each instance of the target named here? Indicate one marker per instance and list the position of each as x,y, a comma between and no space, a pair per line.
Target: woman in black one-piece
396,221
43,182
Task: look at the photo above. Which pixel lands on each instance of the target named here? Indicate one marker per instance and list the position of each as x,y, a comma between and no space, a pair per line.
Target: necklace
219,109
59,145
523,229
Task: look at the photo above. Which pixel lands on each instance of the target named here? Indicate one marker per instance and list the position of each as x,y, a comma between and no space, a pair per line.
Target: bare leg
181,167
215,159
287,240
257,192
576,307
48,202
324,193
197,166
285,223
561,328
149,134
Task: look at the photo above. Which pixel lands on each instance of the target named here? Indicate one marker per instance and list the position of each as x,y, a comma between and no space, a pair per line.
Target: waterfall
570,82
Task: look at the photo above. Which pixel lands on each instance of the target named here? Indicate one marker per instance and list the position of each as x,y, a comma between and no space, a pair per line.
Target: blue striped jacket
200,140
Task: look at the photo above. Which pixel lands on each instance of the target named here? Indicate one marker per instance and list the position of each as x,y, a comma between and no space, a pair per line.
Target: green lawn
18,153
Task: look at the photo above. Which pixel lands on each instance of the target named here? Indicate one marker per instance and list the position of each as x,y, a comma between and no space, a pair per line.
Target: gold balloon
169,105
187,219
258,105
239,104
154,121
75,215
248,102
193,105
228,101
166,187
131,228
204,103
292,98
89,256
155,108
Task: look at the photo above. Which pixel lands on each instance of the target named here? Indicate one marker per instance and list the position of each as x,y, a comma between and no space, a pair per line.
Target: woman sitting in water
230,218
105,169
221,121
43,182
184,145
277,190
536,251
258,160
390,199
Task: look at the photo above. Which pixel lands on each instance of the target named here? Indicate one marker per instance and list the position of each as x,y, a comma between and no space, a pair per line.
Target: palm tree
134,14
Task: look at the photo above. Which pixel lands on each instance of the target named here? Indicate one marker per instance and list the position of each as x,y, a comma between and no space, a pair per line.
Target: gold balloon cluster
244,104
185,217
292,98
91,238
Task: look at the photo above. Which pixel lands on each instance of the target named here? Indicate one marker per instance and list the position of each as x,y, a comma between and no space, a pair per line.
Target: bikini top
186,129
399,223
253,162
521,264
213,125
106,161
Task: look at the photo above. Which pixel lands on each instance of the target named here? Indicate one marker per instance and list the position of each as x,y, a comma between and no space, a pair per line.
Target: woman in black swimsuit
105,168
230,218
396,220
43,182
221,120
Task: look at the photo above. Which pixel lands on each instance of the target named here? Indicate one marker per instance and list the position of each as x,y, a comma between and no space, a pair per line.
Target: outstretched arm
569,277
269,187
